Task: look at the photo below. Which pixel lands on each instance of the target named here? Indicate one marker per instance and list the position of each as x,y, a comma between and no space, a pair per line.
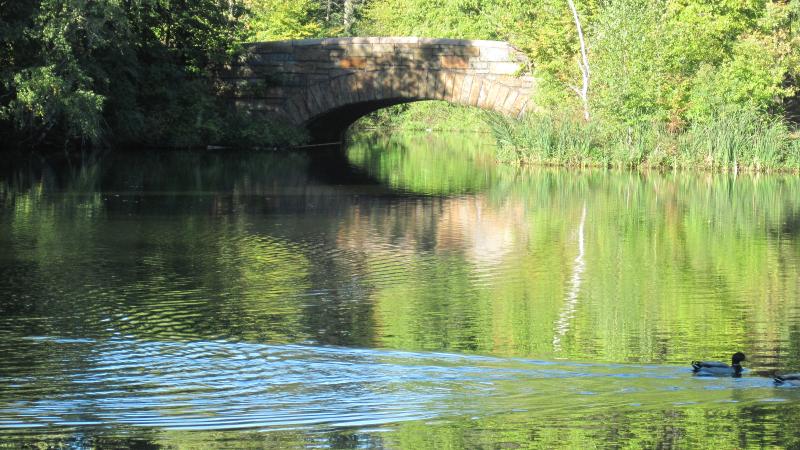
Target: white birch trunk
349,16
583,64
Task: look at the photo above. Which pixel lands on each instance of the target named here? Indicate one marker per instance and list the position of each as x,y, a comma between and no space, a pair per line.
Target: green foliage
139,72
122,73
269,20
628,62
732,140
44,99
647,71
272,20
462,19
749,80
432,115
48,68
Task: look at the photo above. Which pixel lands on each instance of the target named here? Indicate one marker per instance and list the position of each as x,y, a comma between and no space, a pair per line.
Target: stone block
317,78
345,41
475,91
368,88
421,83
466,89
335,86
477,64
381,91
454,62
266,58
406,41
518,105
401,89
447,42
353,62
326,98
455,50
397,82
306,67
523,108
455,94
329,98
488,88
342,86
430,84
272,46
390,60
495,54
359,81
411,53
306,42
369,50
508,103
375,79
448,86
315,100
291,109
302,107
497,99
293,80
352,86
311,53
410,56
415,80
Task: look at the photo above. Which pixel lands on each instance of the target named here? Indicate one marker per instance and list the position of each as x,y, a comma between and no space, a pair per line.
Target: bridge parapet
339,79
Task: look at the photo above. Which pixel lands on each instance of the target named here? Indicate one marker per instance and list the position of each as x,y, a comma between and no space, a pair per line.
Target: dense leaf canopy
139,71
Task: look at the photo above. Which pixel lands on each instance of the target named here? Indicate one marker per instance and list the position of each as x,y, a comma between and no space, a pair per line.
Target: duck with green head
720,369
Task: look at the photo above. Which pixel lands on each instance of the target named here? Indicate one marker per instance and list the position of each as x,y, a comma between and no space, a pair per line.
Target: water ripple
219,385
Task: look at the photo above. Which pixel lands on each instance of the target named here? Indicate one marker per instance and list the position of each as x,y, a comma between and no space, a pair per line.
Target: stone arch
337,103
327,84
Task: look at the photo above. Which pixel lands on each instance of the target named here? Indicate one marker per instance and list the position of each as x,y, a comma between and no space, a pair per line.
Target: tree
123,72
583,63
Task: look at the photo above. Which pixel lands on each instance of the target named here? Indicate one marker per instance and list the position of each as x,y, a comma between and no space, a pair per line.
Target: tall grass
546,140
733,141
737,140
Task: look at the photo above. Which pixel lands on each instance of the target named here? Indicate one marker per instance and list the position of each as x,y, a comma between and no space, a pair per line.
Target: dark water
409,295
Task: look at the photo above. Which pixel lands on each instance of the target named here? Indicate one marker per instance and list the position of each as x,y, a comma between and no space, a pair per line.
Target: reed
741,140
733,141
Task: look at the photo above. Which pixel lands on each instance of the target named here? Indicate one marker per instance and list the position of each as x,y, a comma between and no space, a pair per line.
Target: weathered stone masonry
326,84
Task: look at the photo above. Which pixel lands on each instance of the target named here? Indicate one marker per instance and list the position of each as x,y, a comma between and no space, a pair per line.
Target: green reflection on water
429,246
677,264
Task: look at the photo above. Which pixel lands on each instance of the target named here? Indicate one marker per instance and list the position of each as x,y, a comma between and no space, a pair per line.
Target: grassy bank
427,116
733,141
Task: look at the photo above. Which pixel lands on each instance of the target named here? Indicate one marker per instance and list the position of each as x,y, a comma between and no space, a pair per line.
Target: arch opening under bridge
327,84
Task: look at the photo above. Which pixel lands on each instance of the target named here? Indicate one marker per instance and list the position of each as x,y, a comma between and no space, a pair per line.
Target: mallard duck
792,379
720,369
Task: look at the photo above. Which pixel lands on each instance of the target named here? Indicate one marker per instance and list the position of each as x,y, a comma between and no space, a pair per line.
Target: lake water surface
407,294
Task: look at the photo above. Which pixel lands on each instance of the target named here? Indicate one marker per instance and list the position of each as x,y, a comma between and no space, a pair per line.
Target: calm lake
407,294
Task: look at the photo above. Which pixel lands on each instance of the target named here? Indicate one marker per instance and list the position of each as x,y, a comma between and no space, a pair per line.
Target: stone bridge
327,84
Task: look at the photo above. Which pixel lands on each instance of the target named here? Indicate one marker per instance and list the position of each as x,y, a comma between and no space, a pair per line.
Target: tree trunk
349,15
583,64
328,13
